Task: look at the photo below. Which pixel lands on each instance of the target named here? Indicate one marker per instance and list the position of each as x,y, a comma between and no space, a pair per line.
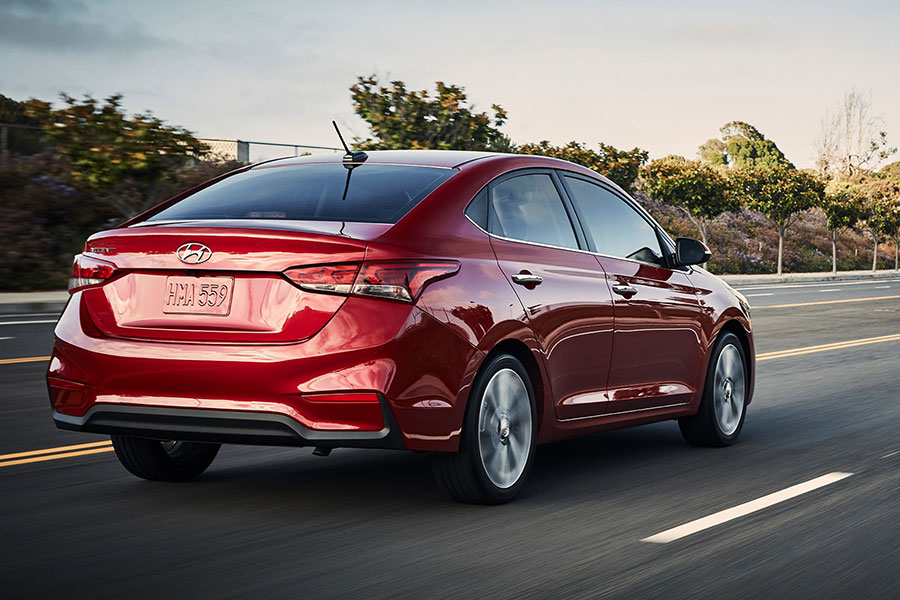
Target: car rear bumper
224,426
380,374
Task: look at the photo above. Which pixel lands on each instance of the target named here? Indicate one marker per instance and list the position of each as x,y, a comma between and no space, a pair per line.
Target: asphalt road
276,523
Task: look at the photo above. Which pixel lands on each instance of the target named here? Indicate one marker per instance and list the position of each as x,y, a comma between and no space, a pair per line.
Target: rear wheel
163,461
723,407
497,444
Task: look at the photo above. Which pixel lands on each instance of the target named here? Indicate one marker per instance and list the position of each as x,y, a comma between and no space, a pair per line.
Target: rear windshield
374,194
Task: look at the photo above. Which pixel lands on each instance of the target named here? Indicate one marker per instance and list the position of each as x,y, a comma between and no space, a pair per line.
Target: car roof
430,158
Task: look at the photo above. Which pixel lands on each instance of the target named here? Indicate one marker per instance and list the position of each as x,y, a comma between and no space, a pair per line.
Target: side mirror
691,252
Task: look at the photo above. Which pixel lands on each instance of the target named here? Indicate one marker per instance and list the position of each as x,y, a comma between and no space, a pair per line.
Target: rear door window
530,209
370,193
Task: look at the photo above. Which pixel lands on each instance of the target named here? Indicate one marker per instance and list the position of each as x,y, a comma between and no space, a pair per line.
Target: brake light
88,271
402,281
335,279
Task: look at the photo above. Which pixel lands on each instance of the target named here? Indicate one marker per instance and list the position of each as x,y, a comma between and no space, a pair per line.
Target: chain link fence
19,139
246,151
28,139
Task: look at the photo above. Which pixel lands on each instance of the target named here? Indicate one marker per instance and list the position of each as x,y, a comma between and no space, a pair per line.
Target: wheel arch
740,332
525,355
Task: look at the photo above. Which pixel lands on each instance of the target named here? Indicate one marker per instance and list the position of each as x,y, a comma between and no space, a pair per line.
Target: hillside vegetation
80,166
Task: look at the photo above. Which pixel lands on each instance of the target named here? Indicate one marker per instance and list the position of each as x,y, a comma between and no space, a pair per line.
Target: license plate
198,295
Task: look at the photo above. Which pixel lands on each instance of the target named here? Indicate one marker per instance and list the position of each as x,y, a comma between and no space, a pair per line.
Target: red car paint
338,365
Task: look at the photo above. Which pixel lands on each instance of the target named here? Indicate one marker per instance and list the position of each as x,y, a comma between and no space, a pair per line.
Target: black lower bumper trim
224,427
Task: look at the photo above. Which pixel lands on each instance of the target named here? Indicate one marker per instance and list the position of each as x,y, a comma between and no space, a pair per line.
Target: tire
720,418
499,431
163,461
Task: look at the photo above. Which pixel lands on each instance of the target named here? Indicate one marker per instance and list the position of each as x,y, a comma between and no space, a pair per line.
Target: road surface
807,505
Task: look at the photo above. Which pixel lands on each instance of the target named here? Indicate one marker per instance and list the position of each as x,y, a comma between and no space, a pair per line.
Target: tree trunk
780,246
834,251
897,254
875,255
703,232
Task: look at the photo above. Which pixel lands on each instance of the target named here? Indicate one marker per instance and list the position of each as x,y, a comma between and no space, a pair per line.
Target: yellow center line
820,302
28,359
827,347
54,450
23,461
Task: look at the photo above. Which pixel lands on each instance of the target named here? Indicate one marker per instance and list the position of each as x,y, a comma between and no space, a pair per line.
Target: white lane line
881,287
741,510
27,322
829,290
890,454
14,315
7,338
785,286
757,295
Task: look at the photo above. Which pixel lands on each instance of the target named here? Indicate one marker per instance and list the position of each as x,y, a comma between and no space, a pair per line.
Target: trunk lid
236,293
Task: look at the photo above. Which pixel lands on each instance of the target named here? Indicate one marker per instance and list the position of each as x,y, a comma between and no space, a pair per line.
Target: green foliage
104,148
701,191
620,166
743,146
405,119
842,205
780,193
713,151
20,140
698,188
879,196
891,171
14,112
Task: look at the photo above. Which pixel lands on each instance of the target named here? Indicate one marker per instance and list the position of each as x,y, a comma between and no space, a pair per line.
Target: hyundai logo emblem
193,253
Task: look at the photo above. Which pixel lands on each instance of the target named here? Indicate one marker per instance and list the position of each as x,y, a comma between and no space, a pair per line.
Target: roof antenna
349,157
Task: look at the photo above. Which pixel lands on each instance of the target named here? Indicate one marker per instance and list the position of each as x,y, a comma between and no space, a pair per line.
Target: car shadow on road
363,481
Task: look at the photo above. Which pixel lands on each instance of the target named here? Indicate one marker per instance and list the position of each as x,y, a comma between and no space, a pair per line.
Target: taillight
89,271
335,279
402,281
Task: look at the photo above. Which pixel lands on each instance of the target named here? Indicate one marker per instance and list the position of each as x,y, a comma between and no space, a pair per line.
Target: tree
843,207
852,137
747,148
404,119
891,172
699,190
780,194
620,166
880,214
713,152
106,150
743,146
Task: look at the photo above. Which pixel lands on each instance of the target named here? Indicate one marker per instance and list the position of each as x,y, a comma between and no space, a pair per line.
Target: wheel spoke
728,389
505,428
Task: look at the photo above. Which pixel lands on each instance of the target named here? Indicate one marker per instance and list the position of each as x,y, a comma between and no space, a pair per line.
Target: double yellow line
33,456
821,302
827,347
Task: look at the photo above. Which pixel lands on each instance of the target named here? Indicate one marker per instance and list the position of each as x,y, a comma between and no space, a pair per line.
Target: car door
560,285
656,344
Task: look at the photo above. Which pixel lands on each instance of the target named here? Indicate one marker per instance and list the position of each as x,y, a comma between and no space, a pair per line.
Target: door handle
527,279
624,289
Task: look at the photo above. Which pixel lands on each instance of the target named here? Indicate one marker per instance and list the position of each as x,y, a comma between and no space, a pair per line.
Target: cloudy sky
659,75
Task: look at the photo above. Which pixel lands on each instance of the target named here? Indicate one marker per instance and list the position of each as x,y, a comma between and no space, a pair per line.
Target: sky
663,76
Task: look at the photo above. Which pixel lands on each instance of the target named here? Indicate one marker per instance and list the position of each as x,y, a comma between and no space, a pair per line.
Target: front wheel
497,445
723,407
163,461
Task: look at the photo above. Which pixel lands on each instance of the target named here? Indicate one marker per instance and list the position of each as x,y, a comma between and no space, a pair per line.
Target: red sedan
469,305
